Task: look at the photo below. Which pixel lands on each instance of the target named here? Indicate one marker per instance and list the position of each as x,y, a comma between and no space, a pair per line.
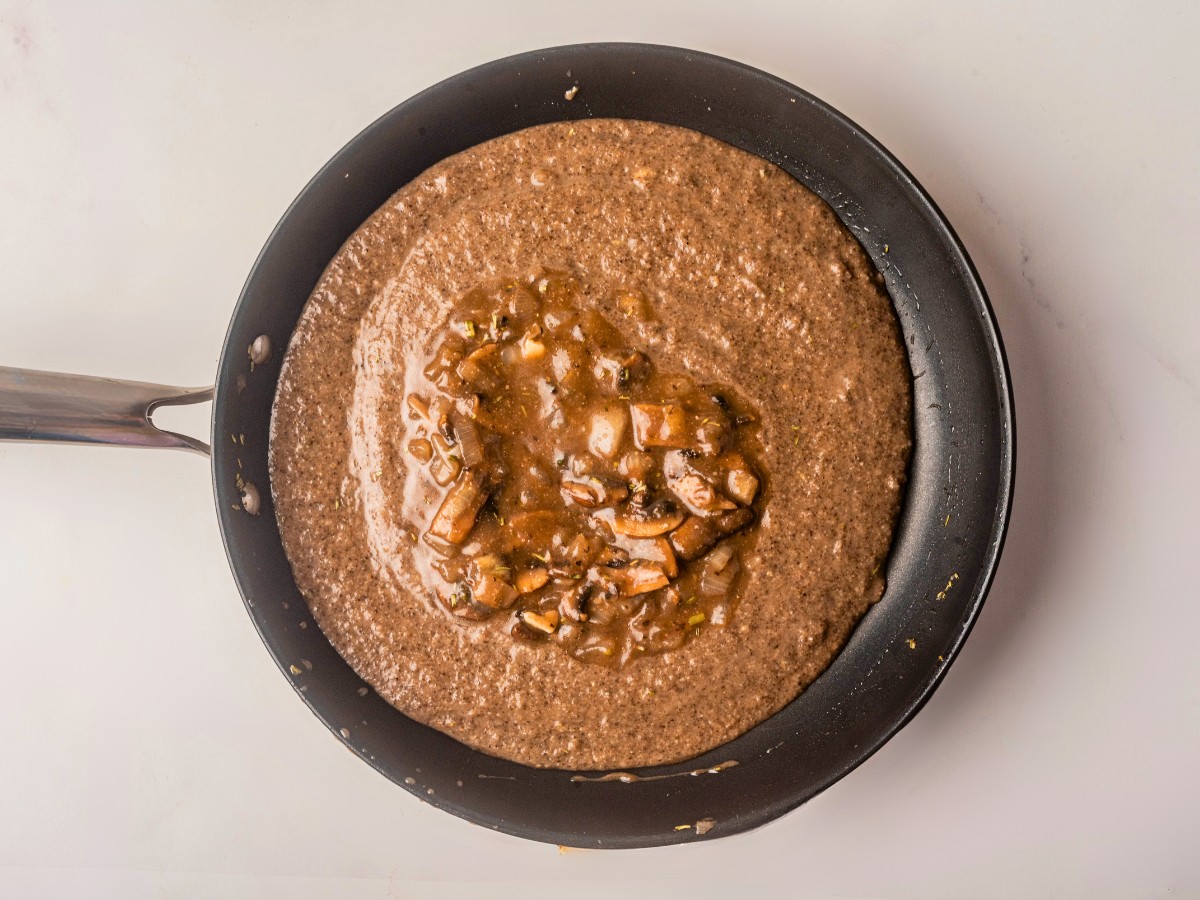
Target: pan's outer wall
962,466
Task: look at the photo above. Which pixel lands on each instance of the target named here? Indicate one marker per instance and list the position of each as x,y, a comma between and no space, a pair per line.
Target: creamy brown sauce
751,283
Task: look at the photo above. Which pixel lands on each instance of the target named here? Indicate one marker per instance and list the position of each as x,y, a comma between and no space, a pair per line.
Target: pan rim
973,293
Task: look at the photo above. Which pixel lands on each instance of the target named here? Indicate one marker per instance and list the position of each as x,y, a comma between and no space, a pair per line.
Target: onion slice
468,441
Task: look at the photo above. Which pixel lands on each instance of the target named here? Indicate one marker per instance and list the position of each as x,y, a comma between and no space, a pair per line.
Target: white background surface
149,745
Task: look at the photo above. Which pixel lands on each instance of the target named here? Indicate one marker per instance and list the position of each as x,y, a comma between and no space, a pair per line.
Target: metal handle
48,406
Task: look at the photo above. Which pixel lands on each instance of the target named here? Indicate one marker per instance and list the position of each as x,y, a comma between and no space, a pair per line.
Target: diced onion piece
608,431
446,465
718,583
659,425
720,557
468,441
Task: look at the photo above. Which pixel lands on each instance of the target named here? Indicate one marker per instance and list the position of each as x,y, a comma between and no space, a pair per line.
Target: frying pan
951,528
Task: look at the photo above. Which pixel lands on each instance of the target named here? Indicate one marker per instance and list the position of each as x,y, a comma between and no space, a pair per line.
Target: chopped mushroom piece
636,464
607,431
741,484
697,534
695,490
421,449
545,622
693,537
417,408
456,516
530,580
659,425
489,583
698,494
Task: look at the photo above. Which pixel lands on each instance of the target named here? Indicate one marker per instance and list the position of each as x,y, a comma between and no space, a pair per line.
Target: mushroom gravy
678,257
559,478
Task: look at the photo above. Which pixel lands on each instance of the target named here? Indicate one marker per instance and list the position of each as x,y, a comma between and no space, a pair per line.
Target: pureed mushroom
598,502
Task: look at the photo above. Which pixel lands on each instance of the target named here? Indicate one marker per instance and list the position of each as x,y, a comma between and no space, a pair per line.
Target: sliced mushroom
475,369
612,557
593,492
456,516
656,550
659,425
648,521
640,577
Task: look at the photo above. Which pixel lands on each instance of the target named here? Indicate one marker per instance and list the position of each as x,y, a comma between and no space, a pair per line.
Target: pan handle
48,406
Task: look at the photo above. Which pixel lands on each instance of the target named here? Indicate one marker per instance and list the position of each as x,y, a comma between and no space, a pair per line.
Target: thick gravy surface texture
729,377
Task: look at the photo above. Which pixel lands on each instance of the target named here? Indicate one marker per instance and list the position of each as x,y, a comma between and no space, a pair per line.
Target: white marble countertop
150,747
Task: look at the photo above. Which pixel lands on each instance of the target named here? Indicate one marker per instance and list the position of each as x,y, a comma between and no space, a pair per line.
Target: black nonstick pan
955,511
